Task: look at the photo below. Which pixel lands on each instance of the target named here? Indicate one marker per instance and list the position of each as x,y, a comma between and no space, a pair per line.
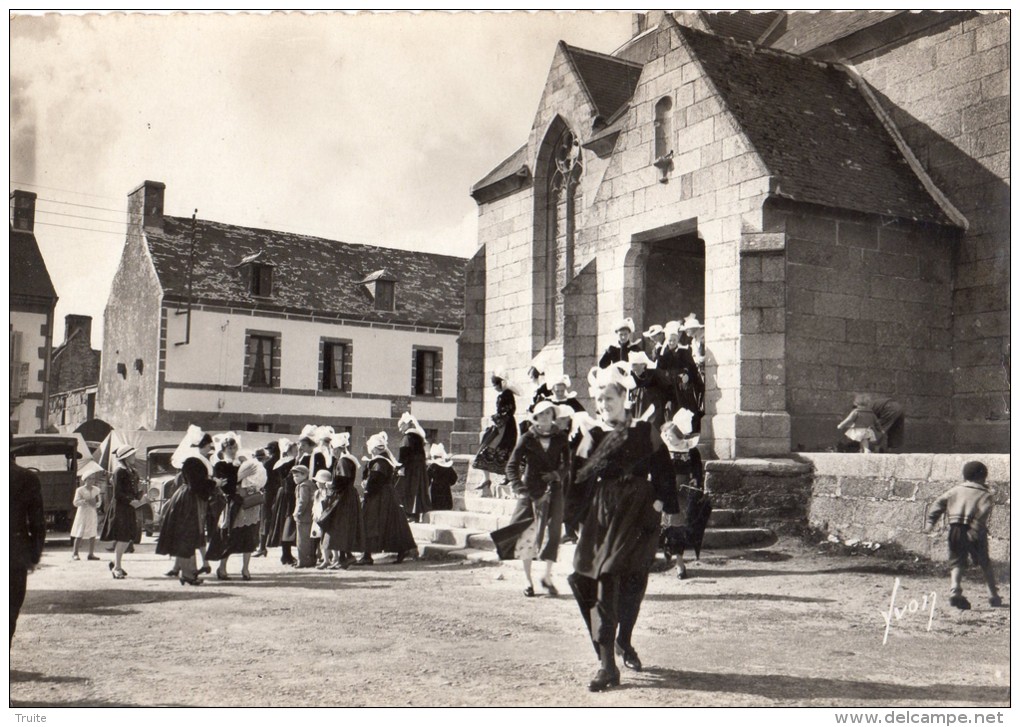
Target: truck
55,458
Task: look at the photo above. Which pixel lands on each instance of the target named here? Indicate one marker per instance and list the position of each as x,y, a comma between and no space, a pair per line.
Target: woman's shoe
173,573
340,565
324,565
529,591
119,573
629,656
603,680
221,575
365,560
195,581
548,585
681,572
245,575
260,553
74,556
93,557
204,569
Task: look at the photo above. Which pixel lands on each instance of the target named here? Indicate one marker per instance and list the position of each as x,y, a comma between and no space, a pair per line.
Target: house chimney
145,205
23,210
74,323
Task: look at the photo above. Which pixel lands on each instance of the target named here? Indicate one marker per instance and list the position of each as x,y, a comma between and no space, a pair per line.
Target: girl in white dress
87,499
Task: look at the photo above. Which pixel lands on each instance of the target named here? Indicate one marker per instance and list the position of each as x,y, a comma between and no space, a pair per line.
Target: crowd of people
621,483
303,497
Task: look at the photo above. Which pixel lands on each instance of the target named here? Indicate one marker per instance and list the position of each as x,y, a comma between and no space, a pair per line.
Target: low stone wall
766,493
885,498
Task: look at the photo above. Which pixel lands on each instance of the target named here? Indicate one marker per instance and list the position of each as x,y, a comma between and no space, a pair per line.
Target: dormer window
257,274
261,280
382,286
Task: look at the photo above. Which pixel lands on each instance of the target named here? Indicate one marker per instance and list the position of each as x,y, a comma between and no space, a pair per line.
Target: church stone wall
948,93
868,309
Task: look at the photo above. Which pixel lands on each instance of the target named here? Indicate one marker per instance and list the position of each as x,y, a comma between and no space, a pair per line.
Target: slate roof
28,274
310,274
609,81
802,32
813,129
741,24
506,168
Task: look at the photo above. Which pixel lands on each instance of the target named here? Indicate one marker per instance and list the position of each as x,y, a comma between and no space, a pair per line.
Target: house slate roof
813,129
609,81
28,274
310,274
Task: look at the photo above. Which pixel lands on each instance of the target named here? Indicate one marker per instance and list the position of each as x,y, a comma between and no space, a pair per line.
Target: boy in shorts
968,507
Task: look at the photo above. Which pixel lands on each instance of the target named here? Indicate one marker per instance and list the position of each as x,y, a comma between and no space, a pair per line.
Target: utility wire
88,206
80,217
83,229
58,189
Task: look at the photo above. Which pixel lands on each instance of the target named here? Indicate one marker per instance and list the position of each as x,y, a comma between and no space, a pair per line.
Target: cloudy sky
366,128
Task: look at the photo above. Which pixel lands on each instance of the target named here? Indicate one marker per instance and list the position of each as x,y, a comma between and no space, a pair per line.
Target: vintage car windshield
159,464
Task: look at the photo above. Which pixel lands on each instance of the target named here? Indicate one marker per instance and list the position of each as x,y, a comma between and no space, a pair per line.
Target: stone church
828,192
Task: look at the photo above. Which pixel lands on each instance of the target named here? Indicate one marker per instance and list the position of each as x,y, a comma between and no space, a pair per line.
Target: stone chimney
23,210
74,323
145,205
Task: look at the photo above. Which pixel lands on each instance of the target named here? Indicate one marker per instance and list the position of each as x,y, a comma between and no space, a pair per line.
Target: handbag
254,500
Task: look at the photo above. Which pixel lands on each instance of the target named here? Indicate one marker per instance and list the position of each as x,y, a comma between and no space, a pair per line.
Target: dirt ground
782,626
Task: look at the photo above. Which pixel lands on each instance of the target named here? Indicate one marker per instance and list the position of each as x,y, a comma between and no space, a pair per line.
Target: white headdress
692,323
308,432
341,439
438,455
653,331
285,446
251,473
627,323
672,328
618,373
640,357
321,437
188,448
677,433
409,419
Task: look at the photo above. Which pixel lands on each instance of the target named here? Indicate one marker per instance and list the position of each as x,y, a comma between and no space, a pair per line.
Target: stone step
473,555
723,538
474,521
724,519
490,505
439,535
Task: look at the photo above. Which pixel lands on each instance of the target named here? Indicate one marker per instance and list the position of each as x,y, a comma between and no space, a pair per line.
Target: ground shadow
107,602
733,597
309,580
785,687
35,676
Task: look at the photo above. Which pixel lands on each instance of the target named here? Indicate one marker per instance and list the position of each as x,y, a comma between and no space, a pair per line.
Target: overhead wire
59,189
79,217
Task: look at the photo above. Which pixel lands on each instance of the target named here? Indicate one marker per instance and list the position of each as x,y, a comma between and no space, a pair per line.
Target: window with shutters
427,371
335,356
262,359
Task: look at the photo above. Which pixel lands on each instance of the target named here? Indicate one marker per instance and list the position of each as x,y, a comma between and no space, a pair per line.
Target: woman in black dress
537,471
272,487
625,474
386,528
283,532
182,521
225,467
442,478
343,529
413,484
499,439
239,525
120,523
685,513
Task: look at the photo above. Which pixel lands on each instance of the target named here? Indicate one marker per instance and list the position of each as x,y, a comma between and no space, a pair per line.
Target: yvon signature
926,605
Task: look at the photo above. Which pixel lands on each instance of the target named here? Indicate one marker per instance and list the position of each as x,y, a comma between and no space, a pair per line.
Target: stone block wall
767,493
868,309
948,93
131,330
471,378
886,498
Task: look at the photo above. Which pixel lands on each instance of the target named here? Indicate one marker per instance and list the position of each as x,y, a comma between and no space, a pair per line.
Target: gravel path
782,626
